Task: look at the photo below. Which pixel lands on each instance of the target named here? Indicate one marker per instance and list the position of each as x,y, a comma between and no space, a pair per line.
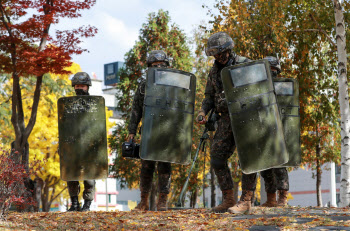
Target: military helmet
157,56
218,43
81,78
274,62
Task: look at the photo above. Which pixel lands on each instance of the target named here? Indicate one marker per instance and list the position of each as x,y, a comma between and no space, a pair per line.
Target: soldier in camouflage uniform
220,46
81,82
275,178
156,58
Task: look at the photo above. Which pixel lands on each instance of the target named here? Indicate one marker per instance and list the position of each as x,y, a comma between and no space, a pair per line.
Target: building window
338,198
337,173
338,169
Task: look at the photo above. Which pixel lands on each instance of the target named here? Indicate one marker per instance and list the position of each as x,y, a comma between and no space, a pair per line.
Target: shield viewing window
173,79
284,88
248,75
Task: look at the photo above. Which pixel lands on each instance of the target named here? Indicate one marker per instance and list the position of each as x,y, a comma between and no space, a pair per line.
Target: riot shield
167,119
82,138
287,92
255,119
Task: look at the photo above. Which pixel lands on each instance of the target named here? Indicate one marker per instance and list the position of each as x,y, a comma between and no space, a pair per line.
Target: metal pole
184,188
204,176
333,190
106,195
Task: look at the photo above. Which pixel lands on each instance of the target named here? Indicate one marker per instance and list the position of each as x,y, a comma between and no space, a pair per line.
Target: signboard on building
111,72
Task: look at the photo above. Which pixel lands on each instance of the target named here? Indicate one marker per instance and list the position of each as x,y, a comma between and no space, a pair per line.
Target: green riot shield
82,138
254,115
167,119
287,92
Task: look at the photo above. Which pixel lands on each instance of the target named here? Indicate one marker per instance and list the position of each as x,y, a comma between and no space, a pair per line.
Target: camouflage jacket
214,90
137,108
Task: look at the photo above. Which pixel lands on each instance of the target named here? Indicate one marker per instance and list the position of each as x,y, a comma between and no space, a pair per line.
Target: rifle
209,126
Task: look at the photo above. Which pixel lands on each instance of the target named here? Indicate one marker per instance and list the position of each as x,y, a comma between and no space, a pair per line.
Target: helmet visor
211,51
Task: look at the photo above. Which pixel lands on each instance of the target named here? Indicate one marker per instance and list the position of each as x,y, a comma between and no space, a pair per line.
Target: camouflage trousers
222,148
146,177
249,181
89,189
275,179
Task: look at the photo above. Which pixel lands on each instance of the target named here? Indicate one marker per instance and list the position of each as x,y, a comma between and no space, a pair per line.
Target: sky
119,22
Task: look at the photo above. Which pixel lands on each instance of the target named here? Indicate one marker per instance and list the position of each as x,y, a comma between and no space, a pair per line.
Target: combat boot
282,198
86,206
162,202
75,204
228,201
244,204
144,203
271,200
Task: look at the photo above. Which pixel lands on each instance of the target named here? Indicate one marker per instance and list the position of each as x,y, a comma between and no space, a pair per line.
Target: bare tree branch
47,10
321,30
306,30
35,105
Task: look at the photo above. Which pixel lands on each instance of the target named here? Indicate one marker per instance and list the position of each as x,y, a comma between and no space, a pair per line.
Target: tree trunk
253,198
318,176
212,176
204,175
22,132
153,203
39,184
45,198
344,104
235,190
212,188
20,145
194,196
203,188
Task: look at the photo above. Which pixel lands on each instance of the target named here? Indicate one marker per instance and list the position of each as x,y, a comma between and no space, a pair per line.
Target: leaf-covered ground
291,218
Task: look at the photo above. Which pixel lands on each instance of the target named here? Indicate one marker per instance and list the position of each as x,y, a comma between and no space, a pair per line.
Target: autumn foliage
12,180
30,50
291,218
21,32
